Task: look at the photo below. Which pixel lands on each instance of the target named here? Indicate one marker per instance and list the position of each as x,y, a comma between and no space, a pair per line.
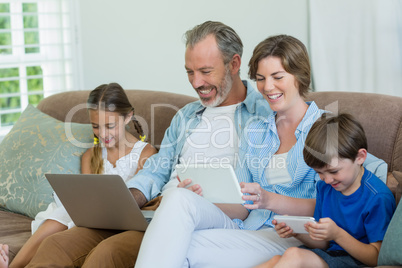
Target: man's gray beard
222,94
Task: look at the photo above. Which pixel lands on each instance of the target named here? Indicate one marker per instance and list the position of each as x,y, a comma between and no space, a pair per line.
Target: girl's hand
283,230
196,188
257,195
4,255
326,229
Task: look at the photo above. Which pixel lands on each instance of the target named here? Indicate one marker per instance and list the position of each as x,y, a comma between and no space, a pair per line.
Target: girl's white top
125,167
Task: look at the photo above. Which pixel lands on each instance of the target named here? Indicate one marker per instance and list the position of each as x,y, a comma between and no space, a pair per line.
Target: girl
115,151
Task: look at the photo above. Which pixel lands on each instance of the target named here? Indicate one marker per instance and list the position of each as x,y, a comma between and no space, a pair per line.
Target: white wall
139,44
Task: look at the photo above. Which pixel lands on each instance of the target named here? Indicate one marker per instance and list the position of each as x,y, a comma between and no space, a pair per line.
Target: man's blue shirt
158,168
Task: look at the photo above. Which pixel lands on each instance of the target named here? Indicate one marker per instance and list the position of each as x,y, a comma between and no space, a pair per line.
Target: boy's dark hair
332,136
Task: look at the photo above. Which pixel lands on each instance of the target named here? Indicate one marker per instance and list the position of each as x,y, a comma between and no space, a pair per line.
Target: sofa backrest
381,117
153,109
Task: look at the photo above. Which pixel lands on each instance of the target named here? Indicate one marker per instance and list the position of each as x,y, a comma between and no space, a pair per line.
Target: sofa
33,148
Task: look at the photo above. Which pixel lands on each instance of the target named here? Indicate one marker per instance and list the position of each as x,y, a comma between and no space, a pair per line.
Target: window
36,54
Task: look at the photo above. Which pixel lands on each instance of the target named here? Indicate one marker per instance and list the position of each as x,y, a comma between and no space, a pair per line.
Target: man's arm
157,169
138,196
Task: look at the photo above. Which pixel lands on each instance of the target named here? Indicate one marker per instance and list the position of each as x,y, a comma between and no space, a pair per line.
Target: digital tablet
295,222
218,182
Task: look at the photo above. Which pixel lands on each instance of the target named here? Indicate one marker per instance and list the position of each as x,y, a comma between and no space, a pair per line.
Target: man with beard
205,131
213,126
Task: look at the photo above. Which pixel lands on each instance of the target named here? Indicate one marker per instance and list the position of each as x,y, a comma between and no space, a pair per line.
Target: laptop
218,181
99,201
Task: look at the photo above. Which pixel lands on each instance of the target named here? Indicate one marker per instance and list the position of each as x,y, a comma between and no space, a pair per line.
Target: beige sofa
381,116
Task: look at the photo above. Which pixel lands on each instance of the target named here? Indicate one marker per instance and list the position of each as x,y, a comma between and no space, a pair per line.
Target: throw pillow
390,252
38,144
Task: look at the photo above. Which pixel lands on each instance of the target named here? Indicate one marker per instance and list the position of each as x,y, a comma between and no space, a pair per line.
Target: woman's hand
258,195
196,188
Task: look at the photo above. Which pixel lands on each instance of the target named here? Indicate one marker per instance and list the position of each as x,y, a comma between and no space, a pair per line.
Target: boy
353,207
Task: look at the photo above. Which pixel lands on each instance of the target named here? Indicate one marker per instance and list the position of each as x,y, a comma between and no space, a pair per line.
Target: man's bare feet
3,256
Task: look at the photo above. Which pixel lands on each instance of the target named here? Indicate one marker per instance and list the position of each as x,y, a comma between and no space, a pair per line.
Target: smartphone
295,222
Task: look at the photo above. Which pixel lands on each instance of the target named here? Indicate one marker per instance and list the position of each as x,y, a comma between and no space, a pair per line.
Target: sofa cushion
15,231
38,144
390,253
379,113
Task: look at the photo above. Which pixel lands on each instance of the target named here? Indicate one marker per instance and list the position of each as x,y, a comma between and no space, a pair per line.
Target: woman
276,175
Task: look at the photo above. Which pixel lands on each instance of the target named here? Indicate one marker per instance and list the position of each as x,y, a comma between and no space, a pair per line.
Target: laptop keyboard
148,214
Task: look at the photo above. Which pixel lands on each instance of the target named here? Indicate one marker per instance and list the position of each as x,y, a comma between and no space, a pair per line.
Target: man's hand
196,188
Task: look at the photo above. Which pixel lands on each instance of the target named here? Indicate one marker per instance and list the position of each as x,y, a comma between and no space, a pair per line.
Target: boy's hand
283,230
326,229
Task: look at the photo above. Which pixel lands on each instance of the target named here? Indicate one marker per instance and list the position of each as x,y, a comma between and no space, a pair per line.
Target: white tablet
218,182
295,222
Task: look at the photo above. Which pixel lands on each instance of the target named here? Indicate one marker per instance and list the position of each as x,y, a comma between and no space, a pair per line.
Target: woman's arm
280,204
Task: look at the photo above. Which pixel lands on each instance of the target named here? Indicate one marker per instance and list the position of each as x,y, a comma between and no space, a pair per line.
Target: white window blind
37,51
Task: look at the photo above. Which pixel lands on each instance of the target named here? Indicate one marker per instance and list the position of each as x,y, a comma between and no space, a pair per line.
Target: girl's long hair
109,97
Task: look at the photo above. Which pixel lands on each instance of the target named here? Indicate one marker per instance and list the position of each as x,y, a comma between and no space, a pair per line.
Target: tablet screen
295,222
218,182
